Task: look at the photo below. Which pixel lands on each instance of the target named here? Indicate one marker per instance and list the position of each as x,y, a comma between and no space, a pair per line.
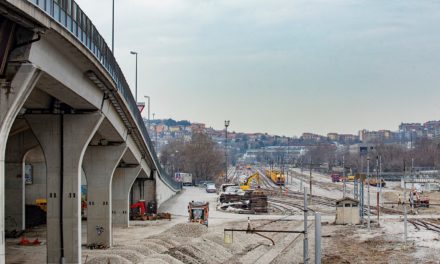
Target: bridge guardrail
71,16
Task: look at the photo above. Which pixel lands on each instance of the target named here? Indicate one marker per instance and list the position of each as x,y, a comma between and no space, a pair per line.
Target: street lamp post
113,27
148,97
226,149
136,77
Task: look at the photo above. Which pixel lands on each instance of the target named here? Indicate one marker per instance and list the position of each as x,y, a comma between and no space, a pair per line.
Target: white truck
186,179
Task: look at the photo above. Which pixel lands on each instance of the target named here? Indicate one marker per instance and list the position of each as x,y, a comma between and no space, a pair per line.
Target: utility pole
288,163
343,176
227,122
368,187
412,172
310,177
411,194
378,187
310,182
318,238
306,239
405,218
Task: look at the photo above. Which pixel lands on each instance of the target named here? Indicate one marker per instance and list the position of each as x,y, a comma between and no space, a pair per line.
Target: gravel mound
128,254
185,254
188,230
163,241
211,250
154,261
108,258
154,247
160,258
143,250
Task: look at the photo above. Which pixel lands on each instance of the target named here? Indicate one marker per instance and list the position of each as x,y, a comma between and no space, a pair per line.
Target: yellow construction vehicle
246,184
350,178
42,203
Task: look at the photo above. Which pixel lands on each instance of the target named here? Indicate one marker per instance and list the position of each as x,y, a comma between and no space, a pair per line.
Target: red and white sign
141,106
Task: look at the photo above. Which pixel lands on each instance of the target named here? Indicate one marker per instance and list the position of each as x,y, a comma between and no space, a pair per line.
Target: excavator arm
246,184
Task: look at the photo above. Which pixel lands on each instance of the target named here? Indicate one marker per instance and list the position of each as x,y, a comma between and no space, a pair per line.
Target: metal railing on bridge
71,17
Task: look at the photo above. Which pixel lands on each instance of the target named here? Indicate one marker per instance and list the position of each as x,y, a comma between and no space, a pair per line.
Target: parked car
205,183
210,188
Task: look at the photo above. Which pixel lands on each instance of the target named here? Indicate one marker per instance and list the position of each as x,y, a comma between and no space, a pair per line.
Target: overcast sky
280,66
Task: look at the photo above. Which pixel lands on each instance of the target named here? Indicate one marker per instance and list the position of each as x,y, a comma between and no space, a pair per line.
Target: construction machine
138,210
246,184
417,200
198,212
376,182
42,203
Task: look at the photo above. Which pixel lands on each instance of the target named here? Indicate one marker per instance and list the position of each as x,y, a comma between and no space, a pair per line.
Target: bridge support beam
122,181
99,166
11,101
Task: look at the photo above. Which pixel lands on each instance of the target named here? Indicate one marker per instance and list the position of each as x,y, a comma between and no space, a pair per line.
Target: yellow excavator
246,184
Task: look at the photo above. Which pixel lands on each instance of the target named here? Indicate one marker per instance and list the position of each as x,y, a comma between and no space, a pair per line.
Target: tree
201,157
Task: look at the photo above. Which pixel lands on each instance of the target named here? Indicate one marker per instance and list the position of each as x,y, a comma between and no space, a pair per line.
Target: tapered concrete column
122,181
16,149
99,165
47,129
11,101
78,130
150,190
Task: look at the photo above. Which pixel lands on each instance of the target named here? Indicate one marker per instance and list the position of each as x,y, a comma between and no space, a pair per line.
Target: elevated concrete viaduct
67,120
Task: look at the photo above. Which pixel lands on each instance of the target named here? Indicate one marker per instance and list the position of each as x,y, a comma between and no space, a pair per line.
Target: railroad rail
417,223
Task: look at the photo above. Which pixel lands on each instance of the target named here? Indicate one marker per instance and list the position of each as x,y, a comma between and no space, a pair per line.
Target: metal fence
70,15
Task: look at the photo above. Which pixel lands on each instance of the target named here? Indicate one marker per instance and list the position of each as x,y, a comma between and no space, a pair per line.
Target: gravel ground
177,241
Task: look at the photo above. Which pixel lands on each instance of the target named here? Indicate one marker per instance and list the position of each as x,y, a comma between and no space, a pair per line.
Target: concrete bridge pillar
77,132
11,101
64,139
99,166
16,149
47,129
122,181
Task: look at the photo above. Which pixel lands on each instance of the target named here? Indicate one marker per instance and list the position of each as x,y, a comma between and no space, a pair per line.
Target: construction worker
400,199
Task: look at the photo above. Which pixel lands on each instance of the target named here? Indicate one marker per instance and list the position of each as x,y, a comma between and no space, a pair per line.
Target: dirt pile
108,258
377,248
188,230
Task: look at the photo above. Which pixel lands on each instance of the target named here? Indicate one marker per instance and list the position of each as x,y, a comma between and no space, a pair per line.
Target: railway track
419,223
272,190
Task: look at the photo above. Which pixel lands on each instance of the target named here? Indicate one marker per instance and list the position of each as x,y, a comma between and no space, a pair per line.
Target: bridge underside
62,141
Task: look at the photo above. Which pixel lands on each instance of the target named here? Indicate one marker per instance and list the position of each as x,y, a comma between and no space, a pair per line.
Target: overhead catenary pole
306,239
411,193
310,180
379,184
318,251
288,163
412,173
368,192
343,176
405,218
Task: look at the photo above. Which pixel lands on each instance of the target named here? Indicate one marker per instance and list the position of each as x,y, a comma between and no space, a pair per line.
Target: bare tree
201,157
